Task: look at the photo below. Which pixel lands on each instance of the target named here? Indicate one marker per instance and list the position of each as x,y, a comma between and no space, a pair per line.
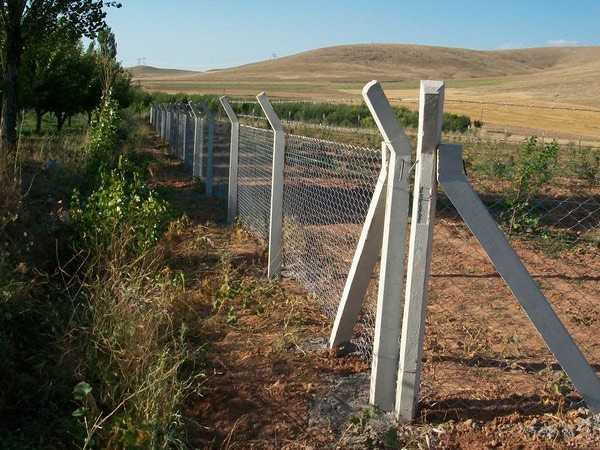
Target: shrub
121,203
585,164
103,137
533,169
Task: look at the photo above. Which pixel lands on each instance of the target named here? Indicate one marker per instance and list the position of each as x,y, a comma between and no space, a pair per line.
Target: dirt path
270,383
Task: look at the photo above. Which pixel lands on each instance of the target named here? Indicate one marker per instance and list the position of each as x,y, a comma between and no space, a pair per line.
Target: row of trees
61,77
49,30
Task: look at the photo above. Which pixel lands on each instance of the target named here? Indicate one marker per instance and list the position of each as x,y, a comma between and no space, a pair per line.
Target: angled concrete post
232,195
431,109
276,216
364,261
451,176
388,321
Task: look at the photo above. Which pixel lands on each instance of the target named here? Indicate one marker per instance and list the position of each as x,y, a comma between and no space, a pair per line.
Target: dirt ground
488,381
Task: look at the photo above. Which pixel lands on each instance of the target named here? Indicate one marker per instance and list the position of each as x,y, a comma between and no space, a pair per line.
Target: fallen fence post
232,195
364,261
276,216
451,176
431,108
388,321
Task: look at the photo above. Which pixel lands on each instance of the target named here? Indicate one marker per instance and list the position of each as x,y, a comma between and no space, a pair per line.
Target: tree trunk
60,120
10,105
70,122
39,115
89,114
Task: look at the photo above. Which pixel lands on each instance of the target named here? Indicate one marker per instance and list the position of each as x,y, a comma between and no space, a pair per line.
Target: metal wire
254,182
222,144
557,237
327,191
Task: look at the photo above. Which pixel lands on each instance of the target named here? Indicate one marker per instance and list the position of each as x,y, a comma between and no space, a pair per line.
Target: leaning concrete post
232,196
431,109
276,217
364,261
452,177
388,321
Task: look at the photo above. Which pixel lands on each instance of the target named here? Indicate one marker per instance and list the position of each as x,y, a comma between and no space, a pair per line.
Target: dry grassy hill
149,72
518,88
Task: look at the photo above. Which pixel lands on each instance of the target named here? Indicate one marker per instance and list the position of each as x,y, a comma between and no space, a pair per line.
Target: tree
26,23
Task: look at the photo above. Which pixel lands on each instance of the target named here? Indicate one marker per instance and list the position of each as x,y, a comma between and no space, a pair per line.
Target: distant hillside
398,62
149,72
509,81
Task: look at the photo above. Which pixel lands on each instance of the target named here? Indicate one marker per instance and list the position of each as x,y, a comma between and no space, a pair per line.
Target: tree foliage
25,24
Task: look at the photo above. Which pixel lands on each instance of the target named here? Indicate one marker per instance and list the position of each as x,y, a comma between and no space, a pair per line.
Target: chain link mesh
328,187
254,179
222,145
554,226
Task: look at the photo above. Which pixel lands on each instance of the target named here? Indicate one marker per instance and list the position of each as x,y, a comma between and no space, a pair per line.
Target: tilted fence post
276,217
364,261
232,195
431,109
388,321
452,177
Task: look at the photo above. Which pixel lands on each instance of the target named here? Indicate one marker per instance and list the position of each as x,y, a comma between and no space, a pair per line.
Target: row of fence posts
189,131
401,307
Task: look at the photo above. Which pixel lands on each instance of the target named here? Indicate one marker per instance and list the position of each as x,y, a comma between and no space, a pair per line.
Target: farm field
551,91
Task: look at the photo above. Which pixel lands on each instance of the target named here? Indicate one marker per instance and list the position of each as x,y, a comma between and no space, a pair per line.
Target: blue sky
204,34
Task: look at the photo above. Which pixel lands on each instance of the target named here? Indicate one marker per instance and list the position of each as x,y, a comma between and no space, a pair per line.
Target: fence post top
270,113
432,86
229,110
384,117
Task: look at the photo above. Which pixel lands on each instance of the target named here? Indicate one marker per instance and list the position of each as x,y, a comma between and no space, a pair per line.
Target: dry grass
542,77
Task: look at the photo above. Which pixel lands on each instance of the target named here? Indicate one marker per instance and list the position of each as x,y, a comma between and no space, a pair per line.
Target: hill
150,72
513,90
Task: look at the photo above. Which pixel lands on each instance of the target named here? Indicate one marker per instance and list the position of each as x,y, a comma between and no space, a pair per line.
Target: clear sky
204,34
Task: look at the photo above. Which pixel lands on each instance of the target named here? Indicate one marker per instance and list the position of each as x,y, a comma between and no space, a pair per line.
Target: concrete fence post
388,320
431,108
184,145
451,176
198,142
232,195
276,216
210,157
364,261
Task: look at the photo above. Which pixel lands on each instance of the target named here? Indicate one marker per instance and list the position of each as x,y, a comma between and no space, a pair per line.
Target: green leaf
81,391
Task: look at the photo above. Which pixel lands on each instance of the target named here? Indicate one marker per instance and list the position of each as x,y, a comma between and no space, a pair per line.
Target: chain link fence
254,180
545,197
327,191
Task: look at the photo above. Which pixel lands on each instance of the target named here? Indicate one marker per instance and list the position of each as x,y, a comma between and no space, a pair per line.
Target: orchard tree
25,23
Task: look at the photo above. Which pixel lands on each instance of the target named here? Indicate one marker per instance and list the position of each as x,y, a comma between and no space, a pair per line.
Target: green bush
103,137
585,164
122,203
533,169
